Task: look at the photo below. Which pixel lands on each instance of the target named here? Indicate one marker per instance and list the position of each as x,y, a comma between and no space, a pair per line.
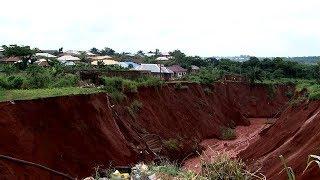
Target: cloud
203,27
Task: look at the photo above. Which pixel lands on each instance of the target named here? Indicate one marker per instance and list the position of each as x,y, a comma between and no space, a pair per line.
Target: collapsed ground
75,134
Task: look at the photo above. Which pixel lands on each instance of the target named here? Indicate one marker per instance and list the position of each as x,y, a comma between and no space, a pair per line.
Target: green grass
6,95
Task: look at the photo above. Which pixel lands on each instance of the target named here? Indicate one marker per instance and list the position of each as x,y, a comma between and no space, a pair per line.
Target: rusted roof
177,68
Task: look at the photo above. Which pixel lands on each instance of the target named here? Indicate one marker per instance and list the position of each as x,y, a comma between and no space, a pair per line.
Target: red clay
213,147
77,133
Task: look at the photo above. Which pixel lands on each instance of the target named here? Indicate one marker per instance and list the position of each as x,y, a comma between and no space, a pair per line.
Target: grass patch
6,95
222,167
227,133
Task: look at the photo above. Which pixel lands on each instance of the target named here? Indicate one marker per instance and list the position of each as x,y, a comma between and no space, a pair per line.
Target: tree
94,50
23,52
254,74
60,50
84,57
108,51
140,53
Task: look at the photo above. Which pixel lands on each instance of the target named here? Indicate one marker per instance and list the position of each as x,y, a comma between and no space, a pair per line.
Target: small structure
42,62
156,70
162,58
100,58
194,69
68,58
128,64
178,71
45,55
11,60
72,52
105,62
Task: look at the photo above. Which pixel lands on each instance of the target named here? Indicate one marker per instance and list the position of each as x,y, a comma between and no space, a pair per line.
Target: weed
222,167
207,91
179,86
172,144
117,96
134,108
227,133
288,170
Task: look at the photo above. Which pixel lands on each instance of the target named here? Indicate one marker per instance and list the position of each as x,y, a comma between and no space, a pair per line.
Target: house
11,60
42,62
72,52
162,58
128,64
194,69
178,71
100,58
90,54
156,70
68,58
1,52
105,62
45,55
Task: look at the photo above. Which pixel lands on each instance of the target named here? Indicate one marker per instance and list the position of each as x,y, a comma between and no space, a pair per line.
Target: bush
15,82
227,133
67,80
207,91
117,96
172,144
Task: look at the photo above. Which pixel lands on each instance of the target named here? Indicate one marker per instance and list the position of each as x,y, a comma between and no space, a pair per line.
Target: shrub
172,144
117,96
289,94
15,82
134,108
67,80
150,82
227,133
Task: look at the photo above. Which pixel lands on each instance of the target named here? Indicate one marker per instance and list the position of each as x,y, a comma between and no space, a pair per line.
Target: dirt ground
245,136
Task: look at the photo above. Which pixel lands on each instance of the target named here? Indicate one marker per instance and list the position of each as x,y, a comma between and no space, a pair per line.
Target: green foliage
15,82
6,95
222,167
271,90
172,144
227,133
119,84
67,80
117,96
206,76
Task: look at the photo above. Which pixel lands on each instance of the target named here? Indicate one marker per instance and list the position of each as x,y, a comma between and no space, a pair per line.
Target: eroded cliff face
74,134
295,135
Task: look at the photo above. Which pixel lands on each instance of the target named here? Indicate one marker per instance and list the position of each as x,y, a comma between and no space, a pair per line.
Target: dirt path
245,136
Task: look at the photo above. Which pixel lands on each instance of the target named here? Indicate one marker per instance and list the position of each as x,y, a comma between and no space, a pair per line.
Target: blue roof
126,64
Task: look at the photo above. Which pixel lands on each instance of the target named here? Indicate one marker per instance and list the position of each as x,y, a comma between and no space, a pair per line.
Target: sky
196,27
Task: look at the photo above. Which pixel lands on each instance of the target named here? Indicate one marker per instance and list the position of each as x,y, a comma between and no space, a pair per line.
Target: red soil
245,135
77,133
295,135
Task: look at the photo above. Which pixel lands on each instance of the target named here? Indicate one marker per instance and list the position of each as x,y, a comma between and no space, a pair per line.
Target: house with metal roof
45,55
128,64
178,71
68,58
105,62
157,70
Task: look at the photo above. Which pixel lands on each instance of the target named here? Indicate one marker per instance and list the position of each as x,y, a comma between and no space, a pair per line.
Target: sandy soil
245,136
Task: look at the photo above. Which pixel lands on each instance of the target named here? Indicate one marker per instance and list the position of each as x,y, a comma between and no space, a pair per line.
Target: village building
156,70
178,71
194,69
11,60
105,62
128,64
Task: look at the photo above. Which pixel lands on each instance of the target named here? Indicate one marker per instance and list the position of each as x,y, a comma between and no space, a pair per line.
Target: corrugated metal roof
177,68
106,62
154,68
68,58
126,64
45,55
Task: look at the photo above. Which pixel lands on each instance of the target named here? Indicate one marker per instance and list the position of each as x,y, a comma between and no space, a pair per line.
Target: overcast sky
197,27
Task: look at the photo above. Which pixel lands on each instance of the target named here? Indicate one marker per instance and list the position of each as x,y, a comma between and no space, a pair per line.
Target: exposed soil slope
295,135
77,133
